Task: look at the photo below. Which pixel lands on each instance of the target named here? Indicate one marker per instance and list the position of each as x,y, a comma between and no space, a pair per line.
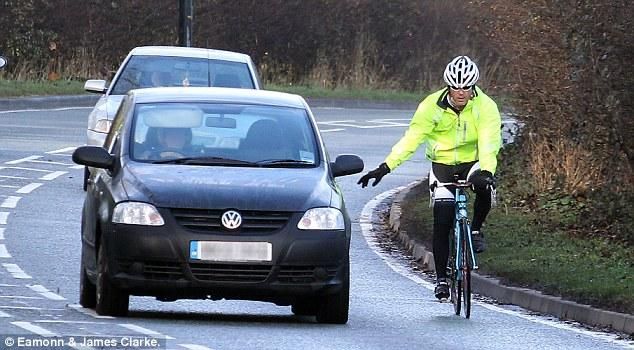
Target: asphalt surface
392,305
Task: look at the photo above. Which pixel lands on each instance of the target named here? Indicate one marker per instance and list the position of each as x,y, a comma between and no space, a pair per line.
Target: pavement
483,285
492,287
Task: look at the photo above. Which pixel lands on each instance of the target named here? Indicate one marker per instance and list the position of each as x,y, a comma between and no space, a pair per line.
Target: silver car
156,66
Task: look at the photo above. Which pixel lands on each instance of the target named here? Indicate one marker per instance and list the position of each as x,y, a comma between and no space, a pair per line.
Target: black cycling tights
444,211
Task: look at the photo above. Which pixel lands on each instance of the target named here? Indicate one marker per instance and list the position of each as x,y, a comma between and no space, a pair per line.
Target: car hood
215,187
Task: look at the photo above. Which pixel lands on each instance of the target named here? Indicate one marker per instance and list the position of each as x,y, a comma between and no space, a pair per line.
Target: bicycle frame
460,270
460,218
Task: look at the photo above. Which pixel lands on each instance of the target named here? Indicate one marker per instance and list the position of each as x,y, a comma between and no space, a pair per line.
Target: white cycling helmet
461,72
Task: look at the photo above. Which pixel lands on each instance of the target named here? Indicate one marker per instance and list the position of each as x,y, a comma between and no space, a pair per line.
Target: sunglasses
466,88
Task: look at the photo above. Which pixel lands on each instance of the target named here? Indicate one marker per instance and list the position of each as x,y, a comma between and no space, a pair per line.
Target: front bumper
155,261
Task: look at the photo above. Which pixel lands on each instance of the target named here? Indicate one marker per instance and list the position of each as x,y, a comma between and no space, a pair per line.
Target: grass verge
525,253
15,88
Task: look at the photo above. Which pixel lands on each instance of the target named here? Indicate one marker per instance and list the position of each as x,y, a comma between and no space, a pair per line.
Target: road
392,305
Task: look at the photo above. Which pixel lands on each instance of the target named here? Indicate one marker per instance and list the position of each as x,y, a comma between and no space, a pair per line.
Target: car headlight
137,213
103,125
322,219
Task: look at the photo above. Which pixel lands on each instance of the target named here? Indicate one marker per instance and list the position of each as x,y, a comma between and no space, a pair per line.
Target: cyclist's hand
483,180
376,174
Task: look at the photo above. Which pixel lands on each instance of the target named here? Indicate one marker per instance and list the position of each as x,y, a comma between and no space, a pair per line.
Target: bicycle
462,258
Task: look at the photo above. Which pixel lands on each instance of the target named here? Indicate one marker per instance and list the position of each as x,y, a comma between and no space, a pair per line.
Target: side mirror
95,86
346,164
93,156
3,61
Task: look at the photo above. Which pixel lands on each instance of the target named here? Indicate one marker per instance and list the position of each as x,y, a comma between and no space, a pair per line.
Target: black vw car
211,193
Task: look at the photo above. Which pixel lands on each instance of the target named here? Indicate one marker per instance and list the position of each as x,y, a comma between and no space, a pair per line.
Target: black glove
482,180
376,174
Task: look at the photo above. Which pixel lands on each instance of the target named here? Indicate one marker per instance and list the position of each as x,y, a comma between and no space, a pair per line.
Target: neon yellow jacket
452,139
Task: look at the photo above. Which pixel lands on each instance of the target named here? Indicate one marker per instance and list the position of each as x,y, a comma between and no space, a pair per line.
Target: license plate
230,251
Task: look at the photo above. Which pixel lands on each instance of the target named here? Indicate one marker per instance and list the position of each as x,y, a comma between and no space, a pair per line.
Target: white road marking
4,217
61,150
28,308
14,177
70,322
8,285
89,312
4,314
367,229
44,110
16,271
19,297
194,347
76,167
23,168
8,186
1,233
53,175
29,188
22,160
145,331
45,292
50,162
4,253
10,202
331,130
34,329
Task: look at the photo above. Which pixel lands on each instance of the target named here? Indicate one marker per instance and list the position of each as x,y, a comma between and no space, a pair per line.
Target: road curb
41,102
492,287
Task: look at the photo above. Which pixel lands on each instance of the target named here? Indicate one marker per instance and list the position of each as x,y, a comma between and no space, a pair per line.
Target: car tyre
111,301
86,177
305,307
87,289
334,308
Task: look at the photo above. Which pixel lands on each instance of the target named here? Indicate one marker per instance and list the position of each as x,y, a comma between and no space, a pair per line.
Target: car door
100,200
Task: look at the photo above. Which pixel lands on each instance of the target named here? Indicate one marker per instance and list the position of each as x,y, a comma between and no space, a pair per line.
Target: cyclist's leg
482,204
444,211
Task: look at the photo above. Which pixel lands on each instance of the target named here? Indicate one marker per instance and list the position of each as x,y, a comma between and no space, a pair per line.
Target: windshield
223,134
155,71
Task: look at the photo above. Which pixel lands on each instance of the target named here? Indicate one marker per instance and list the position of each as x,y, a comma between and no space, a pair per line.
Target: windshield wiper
205,161
282,162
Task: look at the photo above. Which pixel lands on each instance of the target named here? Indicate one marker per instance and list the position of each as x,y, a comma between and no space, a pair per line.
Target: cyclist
461,126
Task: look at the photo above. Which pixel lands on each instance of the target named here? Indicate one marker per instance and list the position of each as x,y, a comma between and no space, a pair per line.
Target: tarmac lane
392,305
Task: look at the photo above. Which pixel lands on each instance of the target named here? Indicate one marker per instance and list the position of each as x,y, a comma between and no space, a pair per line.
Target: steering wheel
171,154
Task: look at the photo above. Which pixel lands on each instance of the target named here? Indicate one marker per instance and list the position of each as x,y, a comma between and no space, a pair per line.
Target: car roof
217,94
179,51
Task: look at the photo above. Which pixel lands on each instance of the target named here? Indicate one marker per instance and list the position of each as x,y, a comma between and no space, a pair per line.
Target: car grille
154,270
252,221
230,273
305,274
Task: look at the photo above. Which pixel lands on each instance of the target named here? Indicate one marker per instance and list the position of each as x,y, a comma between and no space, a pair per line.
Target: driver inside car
167,143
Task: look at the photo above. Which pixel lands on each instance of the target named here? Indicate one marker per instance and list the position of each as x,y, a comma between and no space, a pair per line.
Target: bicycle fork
462,220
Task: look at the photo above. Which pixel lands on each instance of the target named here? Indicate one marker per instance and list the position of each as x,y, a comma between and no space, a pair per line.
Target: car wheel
87,290
86,176
111,301
305,307
334,308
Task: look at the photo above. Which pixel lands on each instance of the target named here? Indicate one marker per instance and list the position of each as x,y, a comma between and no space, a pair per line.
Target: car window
155,71
247,133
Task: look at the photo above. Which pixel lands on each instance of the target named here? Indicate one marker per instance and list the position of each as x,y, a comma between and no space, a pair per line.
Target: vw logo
231,219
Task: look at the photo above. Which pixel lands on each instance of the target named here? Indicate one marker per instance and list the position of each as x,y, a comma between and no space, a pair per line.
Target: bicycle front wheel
466,269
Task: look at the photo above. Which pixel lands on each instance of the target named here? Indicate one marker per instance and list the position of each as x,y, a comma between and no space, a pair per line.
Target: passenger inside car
264,141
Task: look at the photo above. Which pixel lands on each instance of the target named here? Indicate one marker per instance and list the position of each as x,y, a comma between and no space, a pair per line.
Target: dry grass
559,163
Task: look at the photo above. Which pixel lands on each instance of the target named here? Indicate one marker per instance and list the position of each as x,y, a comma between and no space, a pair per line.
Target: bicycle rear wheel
466,270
